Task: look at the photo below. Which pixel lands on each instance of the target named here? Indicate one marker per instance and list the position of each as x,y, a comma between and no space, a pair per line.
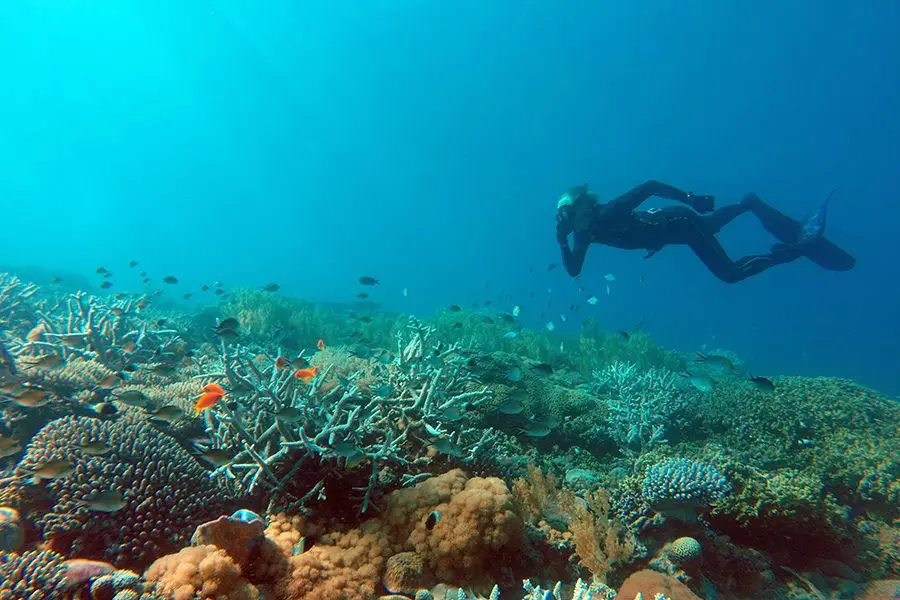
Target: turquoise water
426,143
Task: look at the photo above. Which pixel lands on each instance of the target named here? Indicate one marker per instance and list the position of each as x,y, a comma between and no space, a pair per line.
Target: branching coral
643,405
164,492
410,416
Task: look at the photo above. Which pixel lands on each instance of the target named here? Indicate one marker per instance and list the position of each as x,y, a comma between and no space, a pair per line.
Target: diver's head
577,205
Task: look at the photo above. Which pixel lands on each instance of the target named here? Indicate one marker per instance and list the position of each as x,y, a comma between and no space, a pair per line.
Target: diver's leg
819,250
712,254
723,216
786,229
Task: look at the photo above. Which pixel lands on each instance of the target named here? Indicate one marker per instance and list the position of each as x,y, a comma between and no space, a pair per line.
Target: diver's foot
786,252
813,226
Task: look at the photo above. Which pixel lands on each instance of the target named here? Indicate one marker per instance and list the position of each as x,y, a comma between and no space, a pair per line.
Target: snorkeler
619,224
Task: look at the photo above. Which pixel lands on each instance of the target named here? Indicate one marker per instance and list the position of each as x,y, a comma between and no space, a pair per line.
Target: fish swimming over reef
368,280
212,393
306,375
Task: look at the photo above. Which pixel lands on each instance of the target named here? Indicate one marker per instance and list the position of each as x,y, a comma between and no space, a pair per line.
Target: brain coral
166,493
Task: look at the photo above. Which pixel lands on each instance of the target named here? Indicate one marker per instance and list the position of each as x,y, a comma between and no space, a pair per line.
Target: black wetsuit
620,225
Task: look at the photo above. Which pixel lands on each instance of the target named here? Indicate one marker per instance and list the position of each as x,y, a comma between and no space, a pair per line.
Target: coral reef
163,490
458,456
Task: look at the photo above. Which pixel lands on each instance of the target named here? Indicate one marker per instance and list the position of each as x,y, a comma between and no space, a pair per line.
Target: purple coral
166,493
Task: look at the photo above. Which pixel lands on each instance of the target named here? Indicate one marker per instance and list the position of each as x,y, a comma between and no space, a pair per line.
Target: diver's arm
573,259
632,199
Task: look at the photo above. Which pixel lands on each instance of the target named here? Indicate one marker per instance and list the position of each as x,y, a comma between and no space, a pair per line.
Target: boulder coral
477,526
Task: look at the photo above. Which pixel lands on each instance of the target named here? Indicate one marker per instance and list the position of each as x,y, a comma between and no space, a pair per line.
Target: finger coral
164,491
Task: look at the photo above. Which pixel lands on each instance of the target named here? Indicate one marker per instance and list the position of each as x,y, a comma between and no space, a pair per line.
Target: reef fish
108,502
9,447
95,448
762,384
212,393
368,280
170,279
306,375
271,287
54,469
715,360
432,519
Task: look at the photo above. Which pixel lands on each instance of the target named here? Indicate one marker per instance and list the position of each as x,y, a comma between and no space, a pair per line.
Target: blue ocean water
426,143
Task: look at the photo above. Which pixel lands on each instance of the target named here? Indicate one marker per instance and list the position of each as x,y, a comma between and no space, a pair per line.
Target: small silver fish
217,457
346,449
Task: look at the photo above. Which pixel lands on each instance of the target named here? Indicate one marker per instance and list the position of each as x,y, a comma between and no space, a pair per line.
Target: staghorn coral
200,573
166,493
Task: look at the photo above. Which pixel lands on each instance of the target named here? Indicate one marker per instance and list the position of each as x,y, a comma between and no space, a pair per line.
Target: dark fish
104,409
289,414
161,322
95,448
536,429
432,519
362,295
364,319
367,280
624,334
187,295
143,273
54,469
487,320
219,292
228,324
762,384
508,318
56,279
170,279
101,271
511,406
457,325
204,288
44,362
455,308
551,266
716,360
346,449
445,446
217,457
106,285
108,502
132,264
271,287
9,447
542,368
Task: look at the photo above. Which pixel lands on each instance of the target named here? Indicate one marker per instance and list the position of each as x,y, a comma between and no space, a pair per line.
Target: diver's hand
702,204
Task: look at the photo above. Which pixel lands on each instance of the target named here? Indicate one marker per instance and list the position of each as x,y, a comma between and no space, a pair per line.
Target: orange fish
320,345
306,375
211,394
282,362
